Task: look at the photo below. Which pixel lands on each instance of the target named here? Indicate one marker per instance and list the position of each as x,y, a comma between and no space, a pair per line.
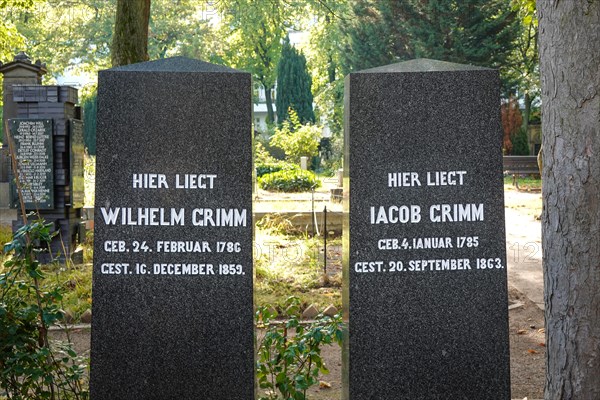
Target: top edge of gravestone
423,65
175,64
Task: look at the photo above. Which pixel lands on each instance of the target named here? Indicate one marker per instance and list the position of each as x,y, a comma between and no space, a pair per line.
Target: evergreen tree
293,86
90,110
376,33
479,32
520,145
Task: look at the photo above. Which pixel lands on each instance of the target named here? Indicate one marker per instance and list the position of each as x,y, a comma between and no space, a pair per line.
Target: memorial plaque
424,246
34,154
77,163
173,275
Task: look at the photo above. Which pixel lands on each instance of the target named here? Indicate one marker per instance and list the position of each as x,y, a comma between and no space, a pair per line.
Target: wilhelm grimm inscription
34,153
173,275
424,245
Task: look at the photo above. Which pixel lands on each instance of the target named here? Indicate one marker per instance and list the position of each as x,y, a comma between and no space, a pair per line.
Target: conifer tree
479,32
293,86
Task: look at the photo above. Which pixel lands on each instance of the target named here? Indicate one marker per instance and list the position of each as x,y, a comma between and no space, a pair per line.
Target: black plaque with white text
32,139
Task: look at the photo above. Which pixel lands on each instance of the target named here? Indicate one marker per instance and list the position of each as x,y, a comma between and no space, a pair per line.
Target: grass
76,280
526,182
292,266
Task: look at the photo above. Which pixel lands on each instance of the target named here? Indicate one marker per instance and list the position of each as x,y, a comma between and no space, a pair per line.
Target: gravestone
49,150
424,246
173,273
35,157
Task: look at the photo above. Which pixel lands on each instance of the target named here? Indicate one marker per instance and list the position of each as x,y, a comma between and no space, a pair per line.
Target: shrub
266,163
289,355
31,367
289,181
297,140
264,169
520,144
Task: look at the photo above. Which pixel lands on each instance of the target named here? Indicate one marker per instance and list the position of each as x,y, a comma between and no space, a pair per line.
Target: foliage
30,366
293,86
254,31
511,123
480,32
378,32
49,33
325,55
522,71
89,105
289,181
520,143
295,139
10,38
264,163
264,169
289,355
180,28
262,155
77,35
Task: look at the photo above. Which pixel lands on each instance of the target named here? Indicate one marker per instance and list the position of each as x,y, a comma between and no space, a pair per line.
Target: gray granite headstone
424,247
172,281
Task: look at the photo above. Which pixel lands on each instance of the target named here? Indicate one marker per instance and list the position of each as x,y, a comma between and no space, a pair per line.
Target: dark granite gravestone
424,246
172,281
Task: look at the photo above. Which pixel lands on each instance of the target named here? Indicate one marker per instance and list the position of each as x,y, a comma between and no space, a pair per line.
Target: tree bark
570,75
130,39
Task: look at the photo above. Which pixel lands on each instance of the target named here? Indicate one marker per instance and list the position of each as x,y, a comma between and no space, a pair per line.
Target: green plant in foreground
30,366
289,354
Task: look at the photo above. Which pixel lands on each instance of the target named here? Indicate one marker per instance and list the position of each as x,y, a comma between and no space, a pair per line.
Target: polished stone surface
173,275
424,208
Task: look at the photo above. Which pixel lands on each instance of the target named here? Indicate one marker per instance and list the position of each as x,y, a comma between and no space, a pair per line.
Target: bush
289,355
520,144
264,169
31,367
297,140
266,164
289,181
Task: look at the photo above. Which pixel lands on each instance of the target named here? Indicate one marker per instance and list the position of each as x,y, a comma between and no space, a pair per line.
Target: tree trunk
269,104
130,39
569,65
